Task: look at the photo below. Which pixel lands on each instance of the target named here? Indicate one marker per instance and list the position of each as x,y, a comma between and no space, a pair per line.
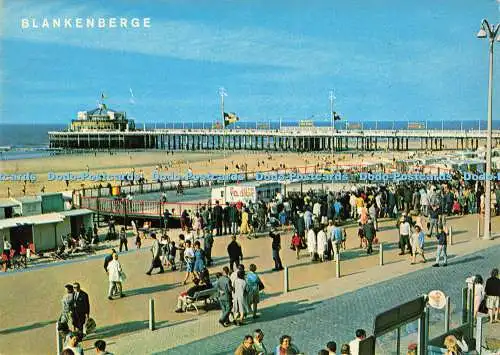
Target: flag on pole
230,118
132,97
336,116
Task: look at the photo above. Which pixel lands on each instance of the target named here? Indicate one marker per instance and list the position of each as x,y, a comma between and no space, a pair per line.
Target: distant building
102,119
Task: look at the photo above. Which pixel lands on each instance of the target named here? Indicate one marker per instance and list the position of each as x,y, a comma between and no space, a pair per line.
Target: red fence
123,206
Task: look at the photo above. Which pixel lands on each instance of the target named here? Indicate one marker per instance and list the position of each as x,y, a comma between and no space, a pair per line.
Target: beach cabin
52,202
7,206
246,192
28,206
75,219
42,230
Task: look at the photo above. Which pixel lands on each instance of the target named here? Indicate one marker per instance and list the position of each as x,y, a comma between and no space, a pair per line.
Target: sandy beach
180,162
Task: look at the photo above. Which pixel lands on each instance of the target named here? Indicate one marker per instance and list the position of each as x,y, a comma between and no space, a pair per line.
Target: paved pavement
313,324
31,300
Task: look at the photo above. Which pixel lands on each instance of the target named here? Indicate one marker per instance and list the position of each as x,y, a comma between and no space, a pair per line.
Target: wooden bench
208,296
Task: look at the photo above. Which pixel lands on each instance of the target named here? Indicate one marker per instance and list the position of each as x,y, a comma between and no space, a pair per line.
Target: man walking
208,242
81,309
225,295
226,219
235,253
155,251
441,247
276,246
123,239
218,218
370,234
433,219
337,236
404,234
233,219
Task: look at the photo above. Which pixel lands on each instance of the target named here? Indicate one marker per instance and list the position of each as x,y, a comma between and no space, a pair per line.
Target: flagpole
332,97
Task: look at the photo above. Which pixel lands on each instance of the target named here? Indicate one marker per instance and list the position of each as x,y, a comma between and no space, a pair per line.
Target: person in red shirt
22,252
296,242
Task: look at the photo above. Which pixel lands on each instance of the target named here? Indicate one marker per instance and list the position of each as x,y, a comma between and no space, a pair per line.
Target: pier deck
287,139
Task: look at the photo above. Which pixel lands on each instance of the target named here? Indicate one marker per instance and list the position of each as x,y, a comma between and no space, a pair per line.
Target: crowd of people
254,345
317,218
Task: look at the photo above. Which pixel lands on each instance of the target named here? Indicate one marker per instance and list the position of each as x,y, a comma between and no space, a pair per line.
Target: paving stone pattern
312,325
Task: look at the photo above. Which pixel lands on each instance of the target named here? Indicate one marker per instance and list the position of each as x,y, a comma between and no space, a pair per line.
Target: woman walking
240,307
197,224
417,244
311,243
189,259
138,241
199,259
478,295
165,246
115,276
296,243
245,227
254,285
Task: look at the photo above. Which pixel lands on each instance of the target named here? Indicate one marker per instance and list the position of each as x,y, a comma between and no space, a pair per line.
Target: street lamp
490,32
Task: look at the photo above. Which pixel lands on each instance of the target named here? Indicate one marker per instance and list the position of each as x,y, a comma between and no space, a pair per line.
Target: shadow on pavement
151,289
27,327
122,329
303,287
268,314
464,260
224,261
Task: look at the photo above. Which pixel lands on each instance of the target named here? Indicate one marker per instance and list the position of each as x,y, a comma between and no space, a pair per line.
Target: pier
296,139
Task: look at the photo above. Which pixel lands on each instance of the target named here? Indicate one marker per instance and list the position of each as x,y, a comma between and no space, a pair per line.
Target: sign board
437,299
416,125
398,316
306,123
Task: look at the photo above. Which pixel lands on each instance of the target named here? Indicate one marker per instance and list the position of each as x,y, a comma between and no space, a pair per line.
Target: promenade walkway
31,300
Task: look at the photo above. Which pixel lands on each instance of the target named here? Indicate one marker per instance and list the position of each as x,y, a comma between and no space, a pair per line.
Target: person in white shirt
6,246
321,241
189,259
317,209
354,344
404,234
352,202
72,344
311,242
424,202
115,277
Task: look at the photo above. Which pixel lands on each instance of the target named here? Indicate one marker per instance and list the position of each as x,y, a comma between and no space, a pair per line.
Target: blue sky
386,60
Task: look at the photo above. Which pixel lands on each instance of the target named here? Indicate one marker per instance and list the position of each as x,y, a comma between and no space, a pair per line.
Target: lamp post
222,93
490,32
